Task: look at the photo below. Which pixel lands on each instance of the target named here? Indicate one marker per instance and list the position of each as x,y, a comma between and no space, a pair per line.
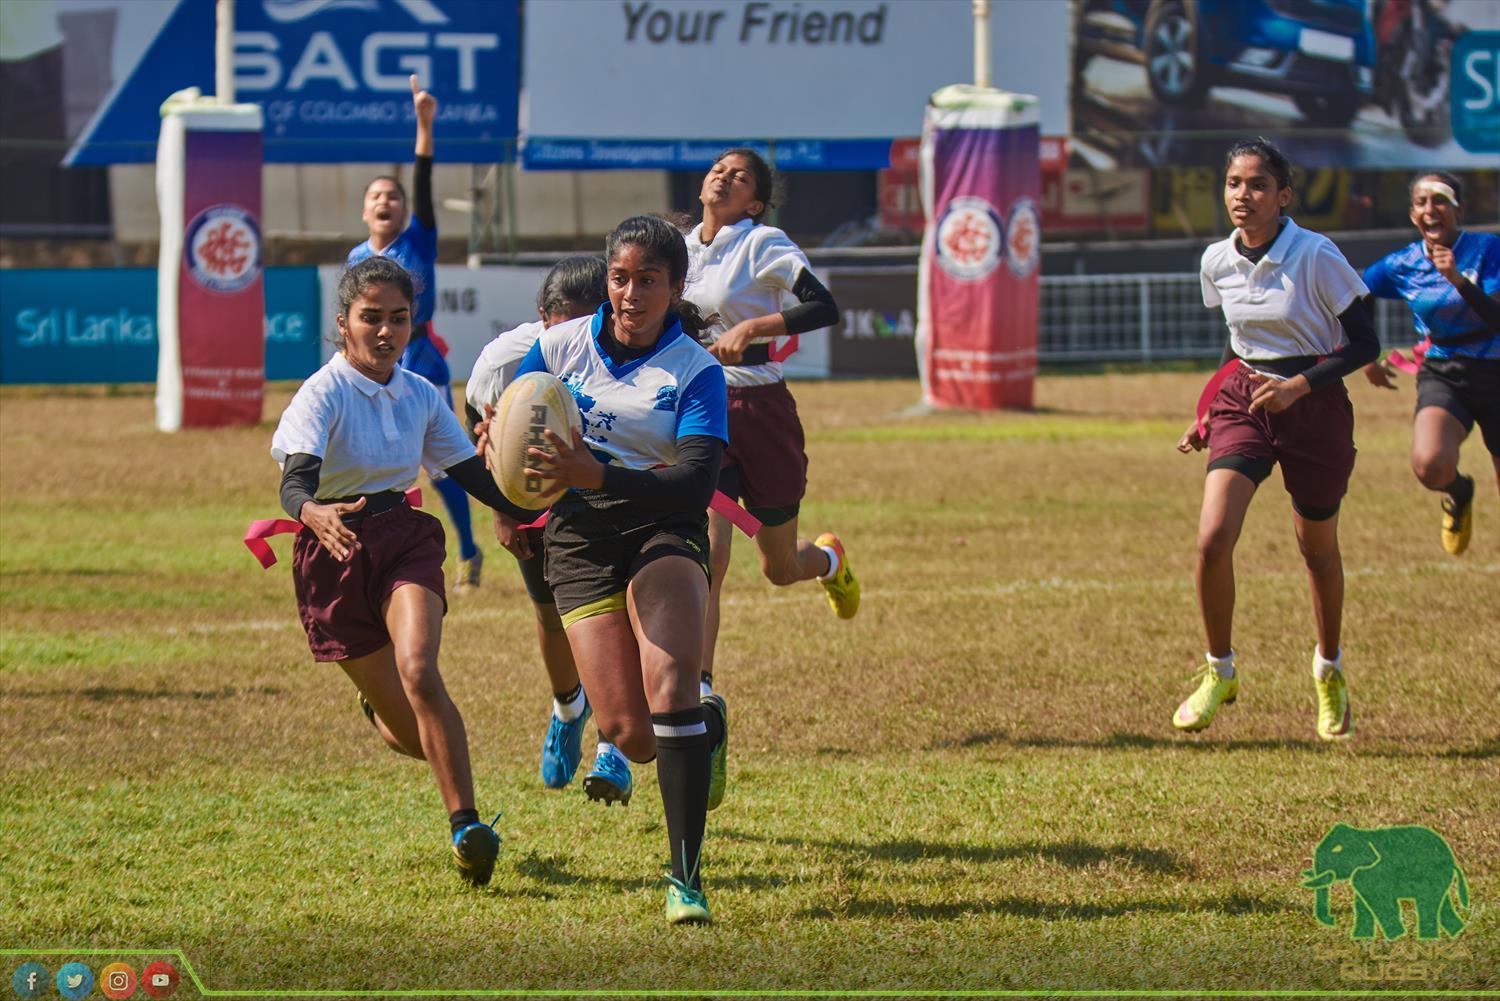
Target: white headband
1429,186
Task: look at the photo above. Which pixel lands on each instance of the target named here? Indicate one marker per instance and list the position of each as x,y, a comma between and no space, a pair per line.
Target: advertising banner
1336,83
821,86
331,76
98,325
978,286
210,293
877,327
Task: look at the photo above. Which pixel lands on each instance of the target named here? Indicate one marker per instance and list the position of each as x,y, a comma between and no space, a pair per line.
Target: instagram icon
117,981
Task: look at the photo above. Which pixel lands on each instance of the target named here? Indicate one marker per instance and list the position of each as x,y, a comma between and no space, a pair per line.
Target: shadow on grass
1046,910
553,870
104,693
1121,742
1195,742
1074,854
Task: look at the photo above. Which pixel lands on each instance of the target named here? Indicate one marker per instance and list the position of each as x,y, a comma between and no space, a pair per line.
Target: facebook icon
29,980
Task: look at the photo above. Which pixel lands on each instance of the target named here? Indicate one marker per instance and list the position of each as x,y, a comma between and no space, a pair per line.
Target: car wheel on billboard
1333,111
1174,54
1422,97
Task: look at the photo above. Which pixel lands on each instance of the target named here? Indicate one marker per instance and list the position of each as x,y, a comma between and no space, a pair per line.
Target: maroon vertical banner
221,288
978,279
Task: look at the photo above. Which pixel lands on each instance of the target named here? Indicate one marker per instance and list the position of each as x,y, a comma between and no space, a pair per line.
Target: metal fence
1152,317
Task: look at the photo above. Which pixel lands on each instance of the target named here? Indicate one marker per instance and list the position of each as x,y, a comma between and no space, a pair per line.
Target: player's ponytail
692,319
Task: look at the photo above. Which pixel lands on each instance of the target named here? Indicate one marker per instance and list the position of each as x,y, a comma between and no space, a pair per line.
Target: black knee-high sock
682,767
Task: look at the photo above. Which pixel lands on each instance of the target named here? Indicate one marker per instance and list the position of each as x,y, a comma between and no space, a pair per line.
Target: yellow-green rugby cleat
842,588
1335,719
1197,710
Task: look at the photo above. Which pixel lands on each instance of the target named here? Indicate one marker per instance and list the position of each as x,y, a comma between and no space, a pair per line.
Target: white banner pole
981,42
224,53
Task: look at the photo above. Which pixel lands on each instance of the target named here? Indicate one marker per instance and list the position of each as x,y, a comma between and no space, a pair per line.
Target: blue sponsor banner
1475,91
543,153
81,325
332,77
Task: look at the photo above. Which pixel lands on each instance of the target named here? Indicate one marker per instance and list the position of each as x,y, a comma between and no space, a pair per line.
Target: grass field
972,786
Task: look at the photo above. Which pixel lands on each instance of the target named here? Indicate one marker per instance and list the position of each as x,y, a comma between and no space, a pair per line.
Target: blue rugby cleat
609,781
562,749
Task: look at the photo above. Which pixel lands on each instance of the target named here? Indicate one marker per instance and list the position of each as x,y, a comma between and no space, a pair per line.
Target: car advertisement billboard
1336,83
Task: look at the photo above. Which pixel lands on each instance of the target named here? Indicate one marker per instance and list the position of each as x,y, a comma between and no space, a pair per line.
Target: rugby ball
533,403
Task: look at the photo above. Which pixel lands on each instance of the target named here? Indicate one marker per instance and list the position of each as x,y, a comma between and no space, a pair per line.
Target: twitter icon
75,981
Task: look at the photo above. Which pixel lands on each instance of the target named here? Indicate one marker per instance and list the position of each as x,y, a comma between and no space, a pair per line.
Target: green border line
187,965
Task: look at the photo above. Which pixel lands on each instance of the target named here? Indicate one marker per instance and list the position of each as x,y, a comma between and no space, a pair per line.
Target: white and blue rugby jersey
634,413
1440,311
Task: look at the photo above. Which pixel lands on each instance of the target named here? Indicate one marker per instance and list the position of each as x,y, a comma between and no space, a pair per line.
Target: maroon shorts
765,464
340,602
1312,440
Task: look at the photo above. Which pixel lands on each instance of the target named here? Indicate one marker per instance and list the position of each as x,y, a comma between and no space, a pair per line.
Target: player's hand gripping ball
532,404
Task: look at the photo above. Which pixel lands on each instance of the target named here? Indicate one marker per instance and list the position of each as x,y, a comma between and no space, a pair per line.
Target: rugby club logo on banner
970,239
1023,238
222,249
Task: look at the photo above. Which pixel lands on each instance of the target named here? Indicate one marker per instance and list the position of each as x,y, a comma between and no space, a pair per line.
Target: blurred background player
573,288
412,243
367,567
745,271
1297,326
627,546
1451,280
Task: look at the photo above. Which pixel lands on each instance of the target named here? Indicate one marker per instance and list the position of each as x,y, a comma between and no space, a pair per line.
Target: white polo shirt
497,364
747,271
1287,304
371,437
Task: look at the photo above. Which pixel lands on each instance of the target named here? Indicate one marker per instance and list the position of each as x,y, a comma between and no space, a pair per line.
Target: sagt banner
331,76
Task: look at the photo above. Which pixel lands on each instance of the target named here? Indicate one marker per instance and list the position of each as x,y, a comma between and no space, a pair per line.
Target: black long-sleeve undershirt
815,307
301,472
687,486
1485,306
1361,346
421,193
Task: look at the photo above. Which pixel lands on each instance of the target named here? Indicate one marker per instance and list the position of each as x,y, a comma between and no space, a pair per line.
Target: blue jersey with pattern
415,250
635,412
1440,311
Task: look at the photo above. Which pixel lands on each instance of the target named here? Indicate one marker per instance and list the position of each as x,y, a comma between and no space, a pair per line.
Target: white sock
704,689
833,563
1223,666
568,712
1323,668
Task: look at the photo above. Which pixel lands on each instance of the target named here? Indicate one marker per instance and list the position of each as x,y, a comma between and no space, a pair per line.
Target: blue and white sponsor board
825,84
331,77
81,325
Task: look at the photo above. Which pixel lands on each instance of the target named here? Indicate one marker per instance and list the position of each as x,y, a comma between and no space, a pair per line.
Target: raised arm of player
426,108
